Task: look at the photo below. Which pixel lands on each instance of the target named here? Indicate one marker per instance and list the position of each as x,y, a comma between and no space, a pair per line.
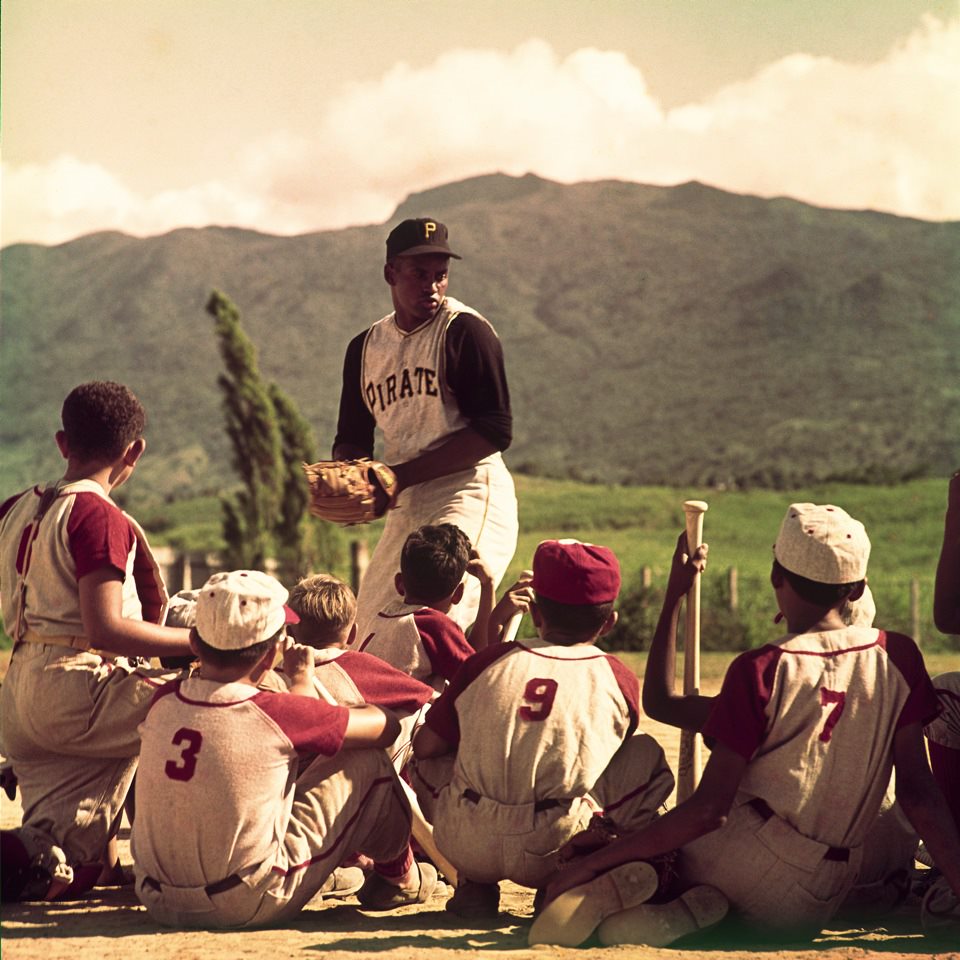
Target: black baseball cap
413,237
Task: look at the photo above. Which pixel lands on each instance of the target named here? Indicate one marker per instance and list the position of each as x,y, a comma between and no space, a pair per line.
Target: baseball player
430,375
327,607
534,738
415,632
79,588
806,731
215,742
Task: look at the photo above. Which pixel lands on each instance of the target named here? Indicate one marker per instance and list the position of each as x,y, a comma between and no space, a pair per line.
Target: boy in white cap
224,835
535,737
805,732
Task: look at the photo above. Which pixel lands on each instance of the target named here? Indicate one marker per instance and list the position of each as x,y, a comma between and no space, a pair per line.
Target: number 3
837,698
193,740
541,694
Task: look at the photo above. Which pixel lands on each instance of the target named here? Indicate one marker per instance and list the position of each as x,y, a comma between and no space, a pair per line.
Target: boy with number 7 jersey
805,733
534,737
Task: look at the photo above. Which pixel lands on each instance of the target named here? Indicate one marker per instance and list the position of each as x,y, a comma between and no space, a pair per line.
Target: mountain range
664,335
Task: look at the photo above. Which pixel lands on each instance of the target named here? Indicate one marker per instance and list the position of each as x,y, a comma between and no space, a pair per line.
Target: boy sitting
326,608
414,632
225,836
534,738
79,588
806,731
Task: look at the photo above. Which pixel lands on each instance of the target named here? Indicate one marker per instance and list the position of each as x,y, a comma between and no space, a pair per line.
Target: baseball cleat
475,901
660,924
343,882
572,917
379,894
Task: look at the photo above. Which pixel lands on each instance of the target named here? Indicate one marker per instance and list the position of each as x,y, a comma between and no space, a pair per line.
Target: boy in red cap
806,731
533,738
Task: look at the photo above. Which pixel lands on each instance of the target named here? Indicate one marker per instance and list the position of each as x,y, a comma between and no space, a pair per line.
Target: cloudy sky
296,115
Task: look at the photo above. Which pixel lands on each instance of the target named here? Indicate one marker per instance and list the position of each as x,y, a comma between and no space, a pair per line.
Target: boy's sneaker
660,924
572,917
33,869
940,912
343,882
475,901
379,894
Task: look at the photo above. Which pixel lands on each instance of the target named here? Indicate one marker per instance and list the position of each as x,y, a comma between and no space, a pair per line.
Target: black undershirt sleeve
355,423
476,375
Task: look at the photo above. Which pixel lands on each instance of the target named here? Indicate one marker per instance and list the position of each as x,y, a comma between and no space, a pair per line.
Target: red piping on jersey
628,796
599,654
152,681
397,616
323,856
831,653
205,703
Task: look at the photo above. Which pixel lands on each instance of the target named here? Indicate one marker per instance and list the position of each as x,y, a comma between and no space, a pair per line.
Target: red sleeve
443,641
171,686
442,716
384,685
99,535
313,726
148,586
922,705
10,501
737,718
629,687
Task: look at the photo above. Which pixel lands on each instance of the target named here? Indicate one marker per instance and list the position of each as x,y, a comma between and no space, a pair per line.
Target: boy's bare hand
684,568
477,567
517,599
298,663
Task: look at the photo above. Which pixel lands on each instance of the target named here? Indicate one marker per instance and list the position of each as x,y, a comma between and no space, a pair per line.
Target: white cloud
884,136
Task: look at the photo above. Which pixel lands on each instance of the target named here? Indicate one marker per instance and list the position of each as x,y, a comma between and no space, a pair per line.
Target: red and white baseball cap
569,571
235,610
822,543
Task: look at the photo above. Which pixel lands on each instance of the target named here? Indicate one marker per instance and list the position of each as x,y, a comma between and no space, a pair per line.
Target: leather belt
221,886
762,809
538,806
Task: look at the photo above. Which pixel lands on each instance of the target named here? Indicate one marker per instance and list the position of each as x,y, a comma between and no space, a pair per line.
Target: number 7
837,698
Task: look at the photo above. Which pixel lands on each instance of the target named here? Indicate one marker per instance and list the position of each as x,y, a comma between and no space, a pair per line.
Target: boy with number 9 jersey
534,737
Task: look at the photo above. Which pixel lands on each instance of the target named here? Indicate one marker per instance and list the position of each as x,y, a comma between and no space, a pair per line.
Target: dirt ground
111,923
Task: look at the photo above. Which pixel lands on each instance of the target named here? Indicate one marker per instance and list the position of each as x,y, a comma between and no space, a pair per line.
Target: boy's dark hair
233,658
576,620
433,561
101,419
819,594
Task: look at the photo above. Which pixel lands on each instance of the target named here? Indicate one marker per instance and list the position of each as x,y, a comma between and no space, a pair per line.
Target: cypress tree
250,514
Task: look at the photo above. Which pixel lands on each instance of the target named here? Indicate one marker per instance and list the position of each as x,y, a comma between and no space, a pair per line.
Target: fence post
734,587
915,608
186,571
359,559
646,577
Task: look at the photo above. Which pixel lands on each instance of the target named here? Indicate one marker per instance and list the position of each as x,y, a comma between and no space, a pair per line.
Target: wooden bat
511,627
690,763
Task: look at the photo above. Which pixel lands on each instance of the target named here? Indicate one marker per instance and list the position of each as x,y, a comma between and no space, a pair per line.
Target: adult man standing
430,375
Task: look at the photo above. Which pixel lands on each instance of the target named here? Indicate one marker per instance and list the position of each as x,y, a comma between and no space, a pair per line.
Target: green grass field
641,524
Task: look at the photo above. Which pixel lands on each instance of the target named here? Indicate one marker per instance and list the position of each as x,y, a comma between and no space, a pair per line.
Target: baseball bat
690,763
511,627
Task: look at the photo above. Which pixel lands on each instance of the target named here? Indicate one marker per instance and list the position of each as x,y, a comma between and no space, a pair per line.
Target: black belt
538,806
221,886
840,854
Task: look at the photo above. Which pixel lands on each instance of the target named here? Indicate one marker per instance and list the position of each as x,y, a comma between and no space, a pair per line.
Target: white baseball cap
235,610
822,543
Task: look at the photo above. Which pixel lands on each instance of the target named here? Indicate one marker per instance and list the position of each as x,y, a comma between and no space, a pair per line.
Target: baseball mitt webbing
345,491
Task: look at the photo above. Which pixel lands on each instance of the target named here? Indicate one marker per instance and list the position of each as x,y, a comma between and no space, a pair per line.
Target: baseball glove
346,491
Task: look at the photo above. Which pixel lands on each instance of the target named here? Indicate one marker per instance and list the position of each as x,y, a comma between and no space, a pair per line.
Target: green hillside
654,335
